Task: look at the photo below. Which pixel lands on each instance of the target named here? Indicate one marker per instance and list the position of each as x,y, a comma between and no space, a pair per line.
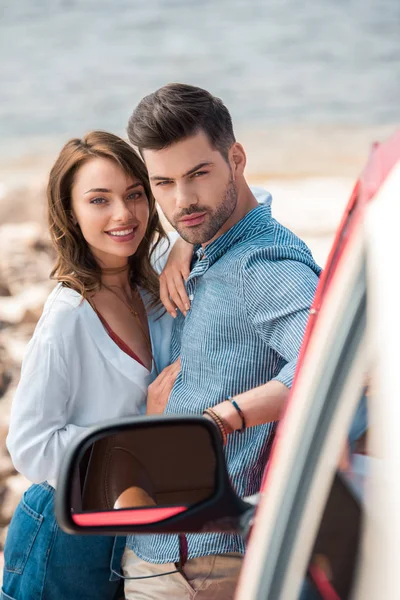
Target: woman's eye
98,201
135,195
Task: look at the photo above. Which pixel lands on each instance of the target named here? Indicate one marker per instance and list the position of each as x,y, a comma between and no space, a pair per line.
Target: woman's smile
123,235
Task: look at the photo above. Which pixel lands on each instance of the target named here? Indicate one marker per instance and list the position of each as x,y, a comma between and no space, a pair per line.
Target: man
251,286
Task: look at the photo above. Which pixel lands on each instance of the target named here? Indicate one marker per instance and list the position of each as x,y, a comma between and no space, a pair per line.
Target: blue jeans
41,562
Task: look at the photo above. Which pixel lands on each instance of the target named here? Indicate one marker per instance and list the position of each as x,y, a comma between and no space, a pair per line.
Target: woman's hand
172,289
160,390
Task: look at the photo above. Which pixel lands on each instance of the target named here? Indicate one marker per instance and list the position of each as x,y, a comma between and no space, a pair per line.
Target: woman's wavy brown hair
76,266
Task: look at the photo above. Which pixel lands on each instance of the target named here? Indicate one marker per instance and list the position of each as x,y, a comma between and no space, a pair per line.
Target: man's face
193,184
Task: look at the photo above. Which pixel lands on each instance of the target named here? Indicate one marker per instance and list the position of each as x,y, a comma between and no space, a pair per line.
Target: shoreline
273,152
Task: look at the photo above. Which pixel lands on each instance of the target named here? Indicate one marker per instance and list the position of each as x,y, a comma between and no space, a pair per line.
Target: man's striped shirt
250,291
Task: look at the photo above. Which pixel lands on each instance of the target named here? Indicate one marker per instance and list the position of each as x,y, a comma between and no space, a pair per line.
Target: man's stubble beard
205,232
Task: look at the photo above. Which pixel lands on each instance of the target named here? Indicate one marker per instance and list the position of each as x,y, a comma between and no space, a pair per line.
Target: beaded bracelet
219,422
241,415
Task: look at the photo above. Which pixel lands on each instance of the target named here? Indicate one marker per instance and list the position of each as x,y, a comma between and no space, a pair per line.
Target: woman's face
111,209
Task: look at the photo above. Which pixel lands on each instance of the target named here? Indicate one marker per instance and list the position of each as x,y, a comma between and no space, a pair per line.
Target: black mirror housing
161,474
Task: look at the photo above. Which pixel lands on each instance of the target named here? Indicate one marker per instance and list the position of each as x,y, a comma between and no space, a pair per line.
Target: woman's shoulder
63,308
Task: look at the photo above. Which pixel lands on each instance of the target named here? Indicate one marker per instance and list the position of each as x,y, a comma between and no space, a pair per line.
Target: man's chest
217,317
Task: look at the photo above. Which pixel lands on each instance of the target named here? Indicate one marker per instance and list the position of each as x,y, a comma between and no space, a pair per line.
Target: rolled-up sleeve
39,434
278,295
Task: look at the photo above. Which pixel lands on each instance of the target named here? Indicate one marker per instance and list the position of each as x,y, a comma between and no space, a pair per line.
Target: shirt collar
254,221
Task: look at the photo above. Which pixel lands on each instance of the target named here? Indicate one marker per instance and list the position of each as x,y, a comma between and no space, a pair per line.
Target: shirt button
191,296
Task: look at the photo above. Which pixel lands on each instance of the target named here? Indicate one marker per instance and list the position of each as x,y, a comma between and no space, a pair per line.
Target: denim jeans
41,562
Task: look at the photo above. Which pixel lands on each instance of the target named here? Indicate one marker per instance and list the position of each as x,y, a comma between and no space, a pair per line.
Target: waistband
46,486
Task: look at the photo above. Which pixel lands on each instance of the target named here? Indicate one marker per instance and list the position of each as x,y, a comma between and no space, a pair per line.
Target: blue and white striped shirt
251,291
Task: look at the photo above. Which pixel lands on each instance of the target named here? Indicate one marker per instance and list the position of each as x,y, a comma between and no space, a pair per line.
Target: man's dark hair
177,111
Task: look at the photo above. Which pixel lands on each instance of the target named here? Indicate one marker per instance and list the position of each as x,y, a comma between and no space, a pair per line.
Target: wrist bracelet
219,422
239,410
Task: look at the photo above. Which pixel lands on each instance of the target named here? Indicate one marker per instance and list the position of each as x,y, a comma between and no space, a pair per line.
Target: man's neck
245,203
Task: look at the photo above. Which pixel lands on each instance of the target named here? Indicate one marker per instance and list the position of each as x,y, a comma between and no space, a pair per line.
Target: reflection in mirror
161,465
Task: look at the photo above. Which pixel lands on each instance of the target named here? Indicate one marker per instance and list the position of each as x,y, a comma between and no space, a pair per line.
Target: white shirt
74,376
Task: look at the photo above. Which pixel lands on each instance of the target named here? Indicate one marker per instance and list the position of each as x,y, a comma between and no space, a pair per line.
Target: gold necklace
128,303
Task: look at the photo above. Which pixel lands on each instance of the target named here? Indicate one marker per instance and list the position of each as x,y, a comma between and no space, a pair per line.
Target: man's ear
237,160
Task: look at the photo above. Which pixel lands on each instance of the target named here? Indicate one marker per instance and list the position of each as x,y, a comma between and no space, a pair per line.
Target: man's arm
259,405
278,296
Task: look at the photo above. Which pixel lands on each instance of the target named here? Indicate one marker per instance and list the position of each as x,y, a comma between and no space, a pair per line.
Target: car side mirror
148,475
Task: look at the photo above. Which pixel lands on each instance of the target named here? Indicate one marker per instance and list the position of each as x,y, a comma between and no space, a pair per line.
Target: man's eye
98,201
199,173
162,183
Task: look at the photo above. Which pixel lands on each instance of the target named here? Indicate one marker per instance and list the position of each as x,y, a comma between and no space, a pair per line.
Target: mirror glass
158,465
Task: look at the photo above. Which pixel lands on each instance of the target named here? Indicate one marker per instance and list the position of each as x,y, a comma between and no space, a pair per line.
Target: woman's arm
177,269
39,433
171,260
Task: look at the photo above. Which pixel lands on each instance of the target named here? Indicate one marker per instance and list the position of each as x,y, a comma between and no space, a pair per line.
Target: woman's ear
237,158
73,218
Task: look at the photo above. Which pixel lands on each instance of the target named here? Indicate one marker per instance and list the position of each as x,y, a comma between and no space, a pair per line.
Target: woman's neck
118,276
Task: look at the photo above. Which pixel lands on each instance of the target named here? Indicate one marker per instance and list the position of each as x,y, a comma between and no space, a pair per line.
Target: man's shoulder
278,264
273,242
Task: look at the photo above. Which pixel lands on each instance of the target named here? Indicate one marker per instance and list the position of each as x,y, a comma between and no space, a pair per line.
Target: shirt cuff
286,375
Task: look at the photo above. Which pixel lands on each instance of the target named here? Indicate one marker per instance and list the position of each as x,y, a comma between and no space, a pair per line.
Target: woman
90,357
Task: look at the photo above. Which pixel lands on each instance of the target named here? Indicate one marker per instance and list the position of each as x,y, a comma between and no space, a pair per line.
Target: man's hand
177,269
159,391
